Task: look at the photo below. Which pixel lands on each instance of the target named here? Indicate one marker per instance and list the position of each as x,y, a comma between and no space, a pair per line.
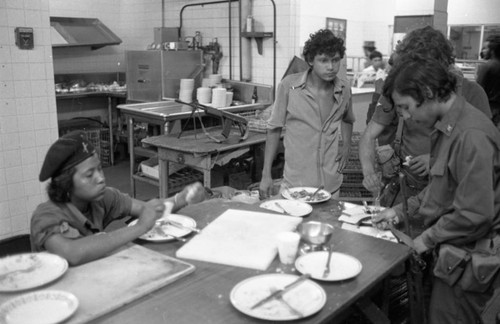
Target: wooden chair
15,244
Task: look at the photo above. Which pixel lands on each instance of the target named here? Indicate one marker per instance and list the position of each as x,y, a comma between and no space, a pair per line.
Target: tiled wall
28,121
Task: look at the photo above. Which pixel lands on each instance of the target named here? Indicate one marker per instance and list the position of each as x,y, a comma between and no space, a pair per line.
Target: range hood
72,32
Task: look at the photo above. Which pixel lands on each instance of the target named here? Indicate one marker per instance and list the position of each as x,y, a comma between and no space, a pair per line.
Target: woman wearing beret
80,207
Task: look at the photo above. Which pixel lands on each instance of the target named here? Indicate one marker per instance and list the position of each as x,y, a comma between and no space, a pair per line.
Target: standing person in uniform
314,106
460,207
81,206
413,139
488,76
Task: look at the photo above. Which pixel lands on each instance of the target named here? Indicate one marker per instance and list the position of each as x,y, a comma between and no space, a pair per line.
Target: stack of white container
186,90
213,93
204,95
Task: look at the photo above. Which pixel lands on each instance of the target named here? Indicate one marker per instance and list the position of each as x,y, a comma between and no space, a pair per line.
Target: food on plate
306,195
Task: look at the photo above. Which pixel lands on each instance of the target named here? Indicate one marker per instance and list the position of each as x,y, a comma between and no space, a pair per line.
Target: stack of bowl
186,90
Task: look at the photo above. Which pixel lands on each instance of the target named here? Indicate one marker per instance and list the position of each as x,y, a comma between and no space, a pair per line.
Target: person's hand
195,193
382,219
373,182
265,187
342,158
419,245
152,211
420,164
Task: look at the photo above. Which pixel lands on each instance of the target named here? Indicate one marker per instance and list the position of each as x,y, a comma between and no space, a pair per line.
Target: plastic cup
288,245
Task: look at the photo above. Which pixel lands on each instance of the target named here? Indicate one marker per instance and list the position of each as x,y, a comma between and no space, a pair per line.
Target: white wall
477,12
28,117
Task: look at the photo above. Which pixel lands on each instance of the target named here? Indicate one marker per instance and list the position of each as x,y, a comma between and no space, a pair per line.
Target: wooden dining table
204,295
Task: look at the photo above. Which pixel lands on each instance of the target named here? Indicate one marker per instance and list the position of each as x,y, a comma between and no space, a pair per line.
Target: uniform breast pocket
441,189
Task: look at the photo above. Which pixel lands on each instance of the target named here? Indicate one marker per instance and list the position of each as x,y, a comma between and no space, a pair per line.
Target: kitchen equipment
288,207
313,196
109,283
155,75
239,238
280,292
306,299
44,306
164,231
326,272
30,270
315,233
305,194
343,266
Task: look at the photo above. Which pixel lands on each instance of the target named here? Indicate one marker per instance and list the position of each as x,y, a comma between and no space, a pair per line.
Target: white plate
30,270
291,193
307,297
159,233
292,207
39,307
342,266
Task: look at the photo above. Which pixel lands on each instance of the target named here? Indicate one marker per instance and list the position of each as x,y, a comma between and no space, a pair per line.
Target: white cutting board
239,238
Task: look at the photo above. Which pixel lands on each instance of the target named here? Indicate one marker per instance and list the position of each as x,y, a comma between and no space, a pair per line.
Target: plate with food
29,270
304,194
288,207
45,306
342,266
304,299
169,228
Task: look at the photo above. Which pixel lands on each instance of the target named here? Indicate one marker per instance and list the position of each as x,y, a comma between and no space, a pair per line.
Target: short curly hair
414,75
428,42
494,45
60,187
323,42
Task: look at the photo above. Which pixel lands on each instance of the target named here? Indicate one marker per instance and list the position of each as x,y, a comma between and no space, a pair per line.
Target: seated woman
80,206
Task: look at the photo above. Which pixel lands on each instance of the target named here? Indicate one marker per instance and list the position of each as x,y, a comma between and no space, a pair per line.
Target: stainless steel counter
165,111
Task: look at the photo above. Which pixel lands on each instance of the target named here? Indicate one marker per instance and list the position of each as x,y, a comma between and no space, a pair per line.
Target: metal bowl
315,233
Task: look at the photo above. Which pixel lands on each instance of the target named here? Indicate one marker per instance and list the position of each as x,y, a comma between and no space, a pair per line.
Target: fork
284,302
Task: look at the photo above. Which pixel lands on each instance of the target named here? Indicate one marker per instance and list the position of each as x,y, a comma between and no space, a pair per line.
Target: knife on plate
178,225
280,292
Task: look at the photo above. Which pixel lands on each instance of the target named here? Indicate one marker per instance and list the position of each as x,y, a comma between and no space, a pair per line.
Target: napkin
354,214
371,231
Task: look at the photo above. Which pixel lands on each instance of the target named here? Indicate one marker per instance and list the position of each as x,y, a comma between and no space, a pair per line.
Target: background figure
368,48
313,105
373,72
488,75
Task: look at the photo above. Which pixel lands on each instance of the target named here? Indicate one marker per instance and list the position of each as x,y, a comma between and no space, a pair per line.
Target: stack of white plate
186,90
219,97
204,95
215,79
229,98
205,83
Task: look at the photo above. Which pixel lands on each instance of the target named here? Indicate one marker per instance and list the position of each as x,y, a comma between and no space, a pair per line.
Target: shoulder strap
399,135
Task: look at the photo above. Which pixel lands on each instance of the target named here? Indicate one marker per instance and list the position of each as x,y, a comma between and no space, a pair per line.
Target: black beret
66,152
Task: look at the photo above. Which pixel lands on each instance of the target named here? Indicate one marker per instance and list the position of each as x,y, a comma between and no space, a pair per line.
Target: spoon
327,267
315,193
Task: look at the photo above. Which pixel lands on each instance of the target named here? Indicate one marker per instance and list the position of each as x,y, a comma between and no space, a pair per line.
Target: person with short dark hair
373,72
460,207
488,76
73,221
413,139
315,106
